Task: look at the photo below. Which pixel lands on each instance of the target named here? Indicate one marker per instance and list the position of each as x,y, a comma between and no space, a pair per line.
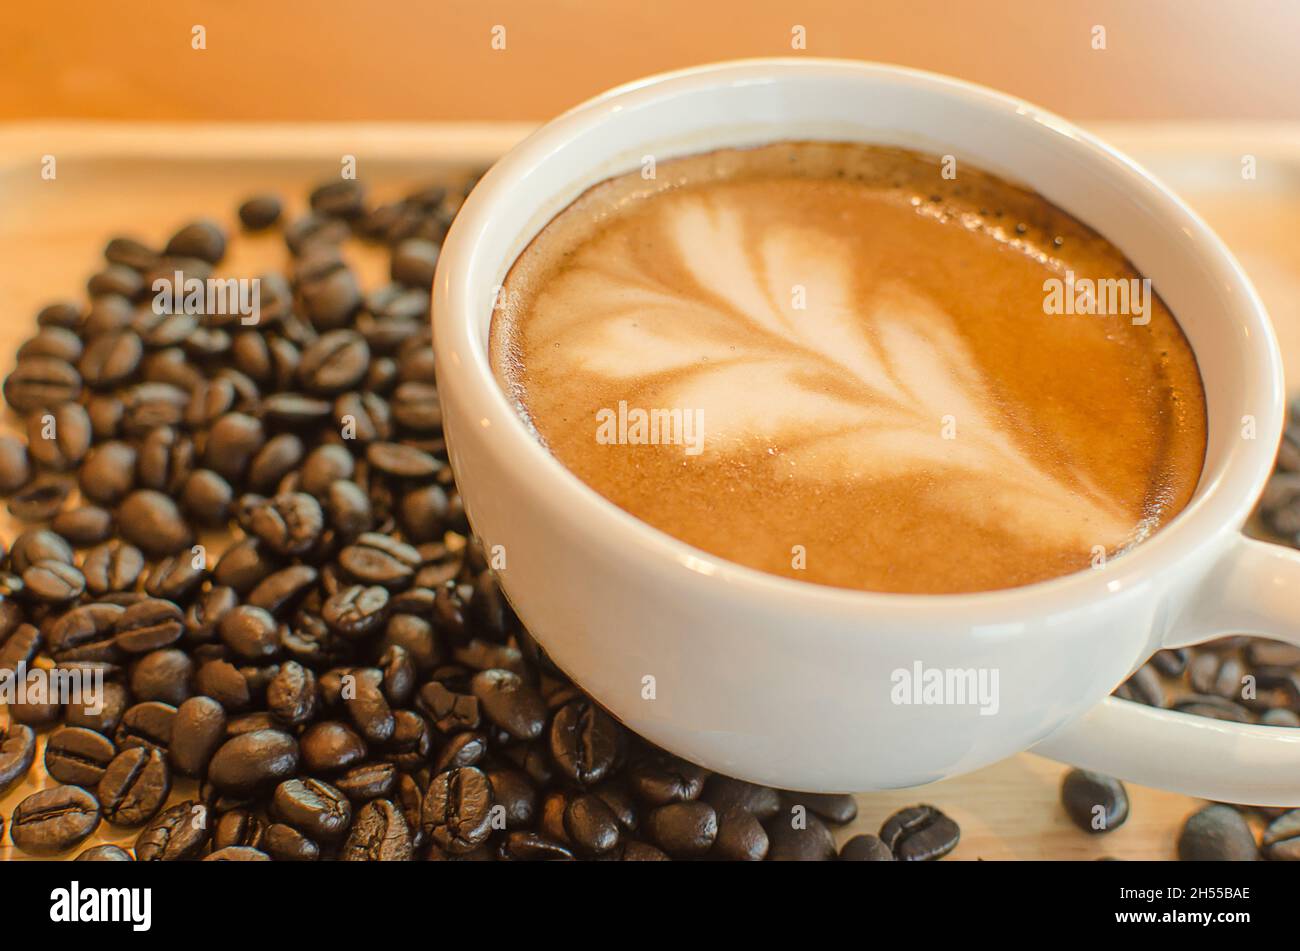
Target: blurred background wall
435,59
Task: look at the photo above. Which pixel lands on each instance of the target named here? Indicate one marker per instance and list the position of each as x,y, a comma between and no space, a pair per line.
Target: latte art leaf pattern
854,385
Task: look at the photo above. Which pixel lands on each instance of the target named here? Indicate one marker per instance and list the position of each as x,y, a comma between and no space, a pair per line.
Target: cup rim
1219,508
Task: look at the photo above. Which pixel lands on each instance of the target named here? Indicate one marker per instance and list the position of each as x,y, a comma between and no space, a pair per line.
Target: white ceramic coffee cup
792,684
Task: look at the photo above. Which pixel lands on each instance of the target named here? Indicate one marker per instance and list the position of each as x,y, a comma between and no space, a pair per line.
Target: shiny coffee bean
17,752
177,834
584,742
1095,802
146,725
330,746
134,786
1217,833
379,834
105,853
253,762
457,810
78,757
198,729
865,848
920,833
54,820
313,807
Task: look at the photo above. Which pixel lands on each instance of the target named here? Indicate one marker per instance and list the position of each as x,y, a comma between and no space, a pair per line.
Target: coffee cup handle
1255,589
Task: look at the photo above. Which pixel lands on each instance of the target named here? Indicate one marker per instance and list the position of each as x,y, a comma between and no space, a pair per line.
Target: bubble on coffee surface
876,382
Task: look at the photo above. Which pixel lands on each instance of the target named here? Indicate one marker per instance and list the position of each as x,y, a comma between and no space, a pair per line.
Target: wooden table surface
148,181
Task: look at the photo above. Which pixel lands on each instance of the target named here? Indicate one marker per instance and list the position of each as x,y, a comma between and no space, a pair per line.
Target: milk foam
830,373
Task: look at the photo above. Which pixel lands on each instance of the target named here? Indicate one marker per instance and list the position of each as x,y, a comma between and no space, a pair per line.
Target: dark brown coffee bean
324,466
1281,842
355,611
112,567
741,837
251,633
85,526
134,786
41,499
102,713
509,703
725,793
1214,707
146,724
59,438
523,846
369,781
457,810
200,239
920,833
260,212
177,834
837,808
1143,687
1096,803
53,582
151,521
77,756
342,199
799,837
108,473
292,696
591,825
414,262
41,383
337,361
1217,833
584,742
15,466
54,820
148,625
197,731
56,342
244,565
17,753
865,848
288,524
367,706
233,441
253,762
683,829
239,828
105,853
284,843
401,461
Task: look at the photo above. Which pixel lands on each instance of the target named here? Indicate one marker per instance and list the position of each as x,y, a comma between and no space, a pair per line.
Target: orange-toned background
432,59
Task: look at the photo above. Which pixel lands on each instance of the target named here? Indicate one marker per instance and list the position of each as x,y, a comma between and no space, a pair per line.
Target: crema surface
834,362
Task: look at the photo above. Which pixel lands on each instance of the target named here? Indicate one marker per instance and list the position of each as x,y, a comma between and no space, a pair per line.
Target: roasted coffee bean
65,314
148,625
260,212
683,829
423,513
253,762
165,460
244,565
330,300
349,509
369,781
21,647
284,843
151,521
77,756
414,262
515,793
342,199
740,837
102,715
222,681
523,846
236,853
177,834
280,456
450,712
920,833
591,825
112,567
134,786
38,544
176,579
250,632
41,383
313,807
41,499
200,239
337,361
865,848
399,675
206,497
108,473
798,837
584,742
376,559
324,466
368,708
85,526
198,729
366,415
56,342
725,794
510,704
291,696
15,466
457,810
1096,803
378,834
356,611
463,749
1281,842
401,461
131,253
331,746
162,675
105,412
59,438
54,820
146,724
660,780
157,402
105,853
53,582
1217,833
233,441
288,524
203,616
1143,687
238,828
1214,707
17,753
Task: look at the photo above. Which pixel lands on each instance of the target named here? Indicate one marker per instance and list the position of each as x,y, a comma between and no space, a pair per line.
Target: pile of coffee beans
338,675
